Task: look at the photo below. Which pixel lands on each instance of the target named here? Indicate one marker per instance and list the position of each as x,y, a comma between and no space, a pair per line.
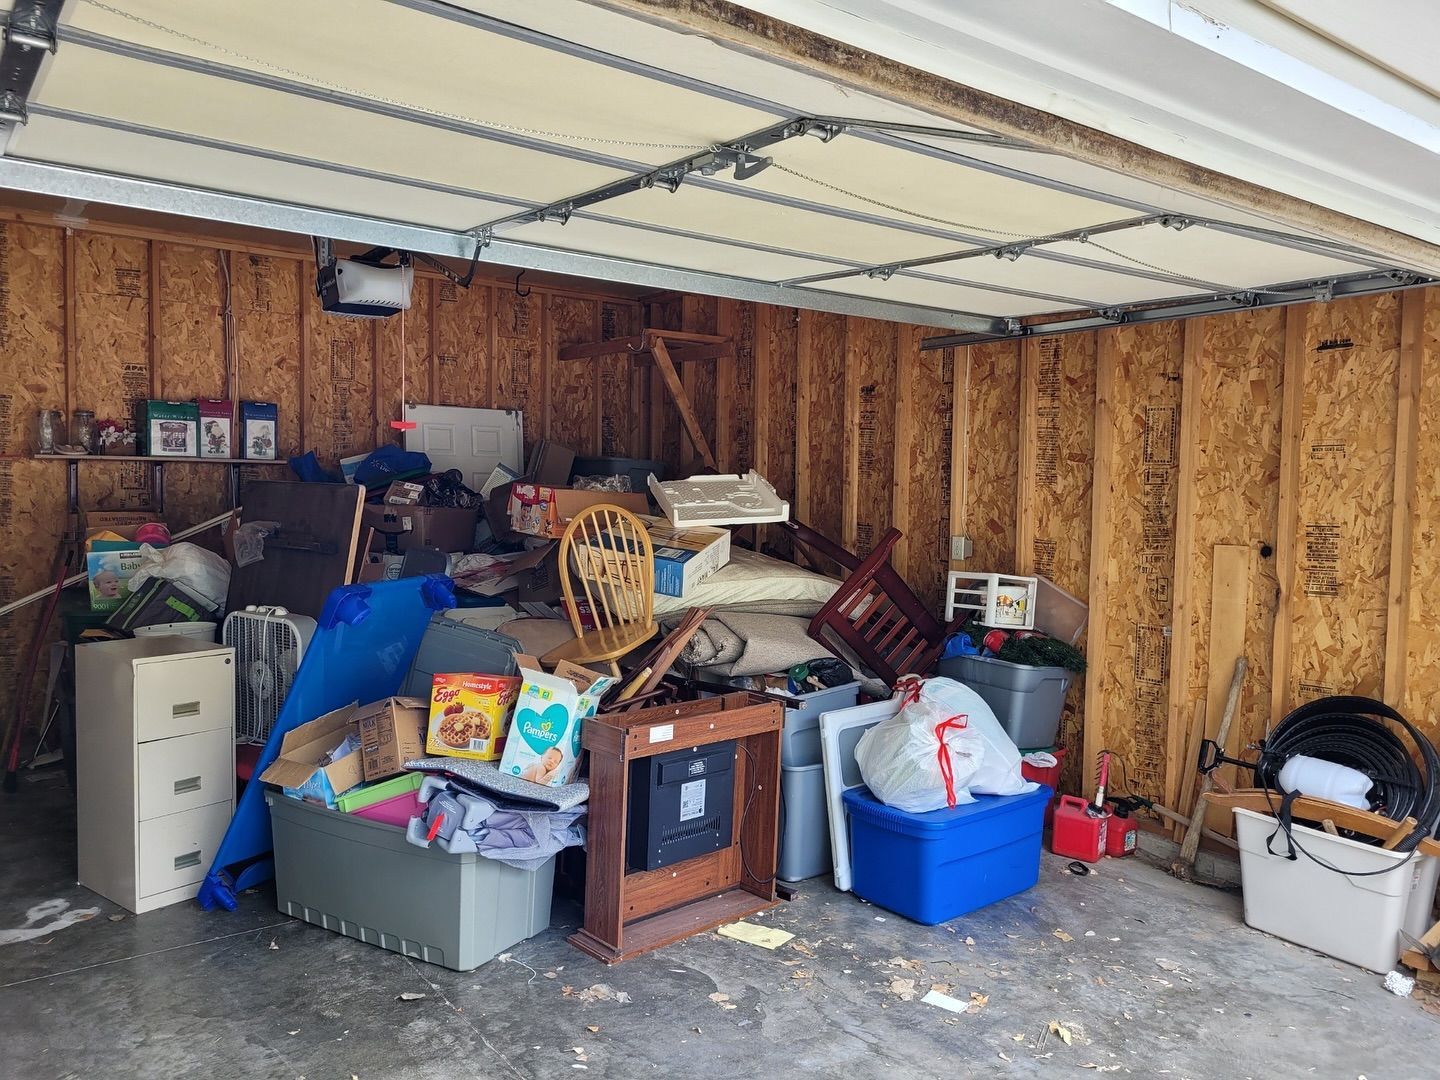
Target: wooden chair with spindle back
608,550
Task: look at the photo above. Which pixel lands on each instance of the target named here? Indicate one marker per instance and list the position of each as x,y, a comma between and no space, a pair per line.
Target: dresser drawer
177,850
184,694
185,772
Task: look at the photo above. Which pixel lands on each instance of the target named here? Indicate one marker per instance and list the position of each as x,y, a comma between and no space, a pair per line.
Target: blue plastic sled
364,642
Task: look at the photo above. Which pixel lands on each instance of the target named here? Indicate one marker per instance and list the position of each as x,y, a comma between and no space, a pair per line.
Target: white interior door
471,440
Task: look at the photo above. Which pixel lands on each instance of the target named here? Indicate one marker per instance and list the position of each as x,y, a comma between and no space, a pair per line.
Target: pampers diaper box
544,743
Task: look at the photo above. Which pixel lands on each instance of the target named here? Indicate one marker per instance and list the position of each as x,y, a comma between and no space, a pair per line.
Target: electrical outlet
961,547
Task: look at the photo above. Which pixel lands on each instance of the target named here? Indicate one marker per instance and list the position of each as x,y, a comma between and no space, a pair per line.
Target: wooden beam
633,343
759,389
688,419
1292,402
907,359
1402,515
1311,809
737,28
1182,598
69,315
304,309
1100,538
959,456
1027,491
152,253
850,485
1229,605
804,371
687,336
382,426
724,350
432,371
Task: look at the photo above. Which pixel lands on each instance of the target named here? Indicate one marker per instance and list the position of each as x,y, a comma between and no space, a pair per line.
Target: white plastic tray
727,499
840,730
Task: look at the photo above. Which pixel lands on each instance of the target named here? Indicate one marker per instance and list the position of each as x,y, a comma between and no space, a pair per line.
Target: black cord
1287,826
744,816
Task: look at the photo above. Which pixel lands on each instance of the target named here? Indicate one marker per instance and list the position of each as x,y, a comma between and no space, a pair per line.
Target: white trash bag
201,571
922,758
999,772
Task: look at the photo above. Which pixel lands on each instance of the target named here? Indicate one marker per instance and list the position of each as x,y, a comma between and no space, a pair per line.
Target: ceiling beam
731,26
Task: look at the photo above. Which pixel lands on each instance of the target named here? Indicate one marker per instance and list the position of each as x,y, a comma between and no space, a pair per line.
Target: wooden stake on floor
1191,847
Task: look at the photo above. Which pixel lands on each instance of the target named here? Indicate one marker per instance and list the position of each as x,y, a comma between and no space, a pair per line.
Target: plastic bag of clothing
999,772
922,758
200,570
462,823
389,462
448,489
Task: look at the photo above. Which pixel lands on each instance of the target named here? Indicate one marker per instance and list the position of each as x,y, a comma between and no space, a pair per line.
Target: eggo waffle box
469,714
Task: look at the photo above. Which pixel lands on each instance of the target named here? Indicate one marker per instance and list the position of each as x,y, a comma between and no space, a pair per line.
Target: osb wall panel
403,374
32,377
870,370
462,345
699,315
619,412
988,415
775,402
268,293
922,449
571,409
735,388
1422,700
1235,482
189,349
520,362
1054,492
1347,458
339,381
1131,662
820,456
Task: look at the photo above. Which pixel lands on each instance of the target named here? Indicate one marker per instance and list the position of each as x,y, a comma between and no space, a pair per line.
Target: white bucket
202,630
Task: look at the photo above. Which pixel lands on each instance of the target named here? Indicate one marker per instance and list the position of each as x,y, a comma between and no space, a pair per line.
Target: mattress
758,583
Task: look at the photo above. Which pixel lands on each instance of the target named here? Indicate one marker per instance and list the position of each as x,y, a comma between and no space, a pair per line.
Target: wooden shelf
162,459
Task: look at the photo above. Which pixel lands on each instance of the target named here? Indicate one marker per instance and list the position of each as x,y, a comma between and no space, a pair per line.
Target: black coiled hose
1355,731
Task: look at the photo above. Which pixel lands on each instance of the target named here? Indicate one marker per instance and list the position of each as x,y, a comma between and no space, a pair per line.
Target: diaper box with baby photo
469,713
544,744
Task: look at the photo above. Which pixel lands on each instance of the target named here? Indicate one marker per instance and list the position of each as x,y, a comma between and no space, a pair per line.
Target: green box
357,798
168,428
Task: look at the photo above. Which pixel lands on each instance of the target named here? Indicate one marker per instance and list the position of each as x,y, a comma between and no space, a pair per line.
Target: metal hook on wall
518,293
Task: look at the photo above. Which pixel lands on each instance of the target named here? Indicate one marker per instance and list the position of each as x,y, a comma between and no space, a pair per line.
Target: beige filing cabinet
155,765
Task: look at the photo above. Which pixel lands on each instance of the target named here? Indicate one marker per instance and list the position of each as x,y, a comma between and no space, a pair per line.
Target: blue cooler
936,866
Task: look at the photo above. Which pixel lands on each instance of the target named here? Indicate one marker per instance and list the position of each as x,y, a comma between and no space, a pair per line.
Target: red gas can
1122,835
1079,832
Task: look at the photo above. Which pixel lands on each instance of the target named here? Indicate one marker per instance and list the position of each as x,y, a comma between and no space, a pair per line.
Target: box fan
269,643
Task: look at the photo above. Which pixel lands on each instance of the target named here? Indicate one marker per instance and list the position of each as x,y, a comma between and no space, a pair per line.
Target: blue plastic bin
937,866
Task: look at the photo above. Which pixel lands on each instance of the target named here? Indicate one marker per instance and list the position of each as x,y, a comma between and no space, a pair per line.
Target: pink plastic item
394,811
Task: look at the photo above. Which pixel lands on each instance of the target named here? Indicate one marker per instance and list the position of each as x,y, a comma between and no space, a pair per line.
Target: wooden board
616,378
698,315
1343,504
1422,639
735,396
110,368
300,580
520,362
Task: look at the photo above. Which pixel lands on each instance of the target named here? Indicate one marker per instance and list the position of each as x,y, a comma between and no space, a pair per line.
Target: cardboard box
391,732
443,527
299,769
544,743
469,714
216,415
259,423
543,510
168,428
685,557
110,564
491,575
403,493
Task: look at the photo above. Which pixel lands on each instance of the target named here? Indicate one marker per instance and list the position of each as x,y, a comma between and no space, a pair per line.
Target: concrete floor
1155,979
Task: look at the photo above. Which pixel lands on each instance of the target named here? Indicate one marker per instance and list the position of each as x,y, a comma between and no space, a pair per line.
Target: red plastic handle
1075,801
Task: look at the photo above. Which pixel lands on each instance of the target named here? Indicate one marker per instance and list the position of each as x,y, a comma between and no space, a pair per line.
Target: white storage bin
1355,919
1002,600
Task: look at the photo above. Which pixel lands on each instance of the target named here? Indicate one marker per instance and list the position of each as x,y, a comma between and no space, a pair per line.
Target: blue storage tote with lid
936,866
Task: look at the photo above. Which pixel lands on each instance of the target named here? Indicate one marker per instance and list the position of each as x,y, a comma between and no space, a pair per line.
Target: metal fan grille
267,655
